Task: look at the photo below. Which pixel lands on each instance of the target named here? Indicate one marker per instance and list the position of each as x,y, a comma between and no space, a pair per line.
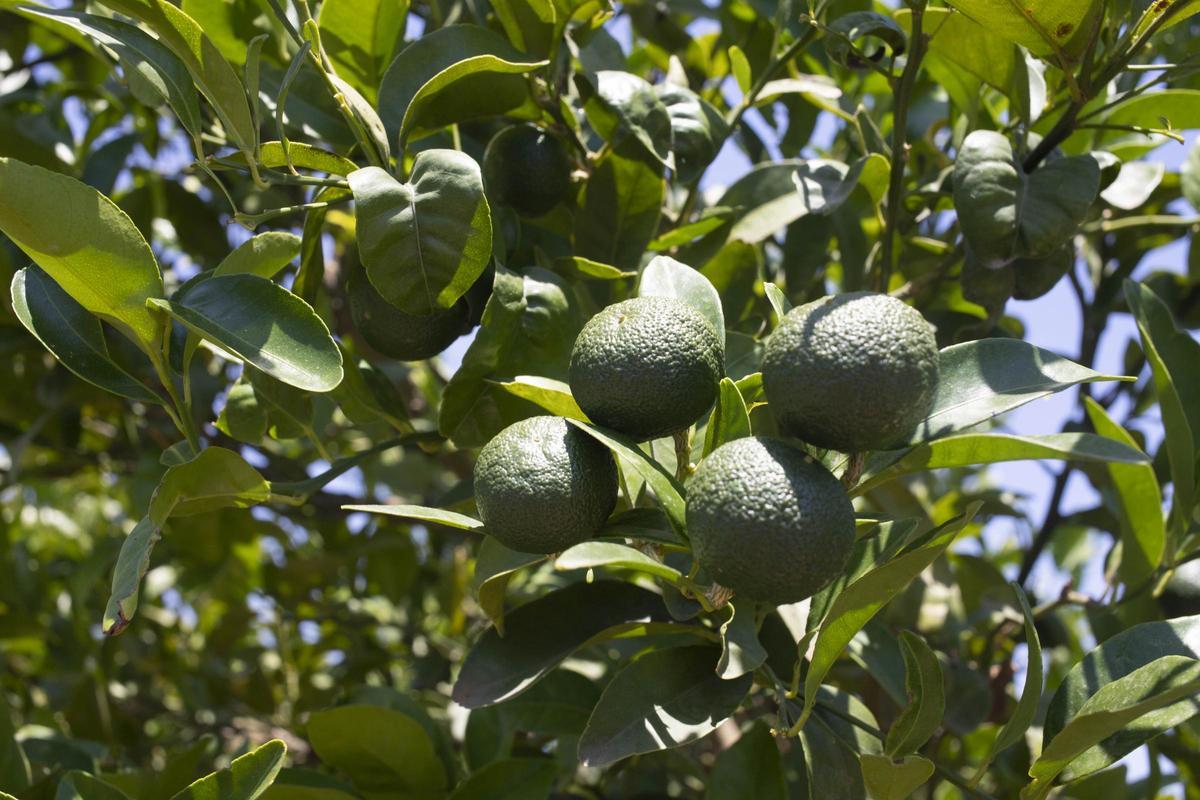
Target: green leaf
495,564
1189,177
543,632
926,699
212,74
548,393
532,26
620,106
741,651
666,698
289,410
243,418
740,67
132,563
14,766
77,785
263,324
982,379
1153,11
304,156
967,46
245,779
380,749
668,491
425,242
666,277
437,516
360,38
650,524
620,208
863,599
263,255
730,420
1114,659
1164,689
1031,693
610,555
100,259
510,779
368,120
1174,359
587,268
846,31
697,132
1143,534
71,334
751,768
216,478
1005,214
1044,27
966,449
231,24
886,779
155,74
1173,108
776,194
454,74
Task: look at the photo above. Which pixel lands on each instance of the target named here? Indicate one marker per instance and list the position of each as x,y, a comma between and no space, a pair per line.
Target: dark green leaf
454,74
620,208
982,379
77,785
926,700
510,779
425,242
741,651
845,32
611,555
887,779
752,768
1031,693
263,324
72,334
1006,214
730,419
543,632
245,779
14,766
380,749
620,106
697,132
494,566
664,699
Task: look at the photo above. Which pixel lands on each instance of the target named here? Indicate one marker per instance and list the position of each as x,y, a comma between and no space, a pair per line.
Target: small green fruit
528,169
398,334
647,367
851,373
767,521
542,485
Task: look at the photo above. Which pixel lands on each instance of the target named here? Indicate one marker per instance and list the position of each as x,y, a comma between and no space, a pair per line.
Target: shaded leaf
752,767
923,685
438,516
610,555
263,255
666,277
620,105
620,208
494,566
360,37
730,420
887,779
741,651
382,750
245,779
509,779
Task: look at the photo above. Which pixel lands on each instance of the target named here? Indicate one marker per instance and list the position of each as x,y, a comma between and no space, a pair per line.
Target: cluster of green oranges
765,519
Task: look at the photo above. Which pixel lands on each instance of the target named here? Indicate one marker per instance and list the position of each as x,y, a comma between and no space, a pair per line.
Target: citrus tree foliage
213,448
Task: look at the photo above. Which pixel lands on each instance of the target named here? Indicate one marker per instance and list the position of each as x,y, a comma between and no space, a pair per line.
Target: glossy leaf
965,449
132,563
245,779
666,277
741,650
531,25
1143,532
360,37
494,566
509,779
437,516
1031,693
621,106
967,47
664,699
552,395
752,767
380,749
454,74
216,478
863,599
924,687
610,555
887,779
72,334
982,379
730,420
776,194
1046,27
156,75
846,31
1154,12
697,130
101,259
1005,214
668,491
263,255
425,242
1164,689
212,74
620,208
543,632
1113,659
263,324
